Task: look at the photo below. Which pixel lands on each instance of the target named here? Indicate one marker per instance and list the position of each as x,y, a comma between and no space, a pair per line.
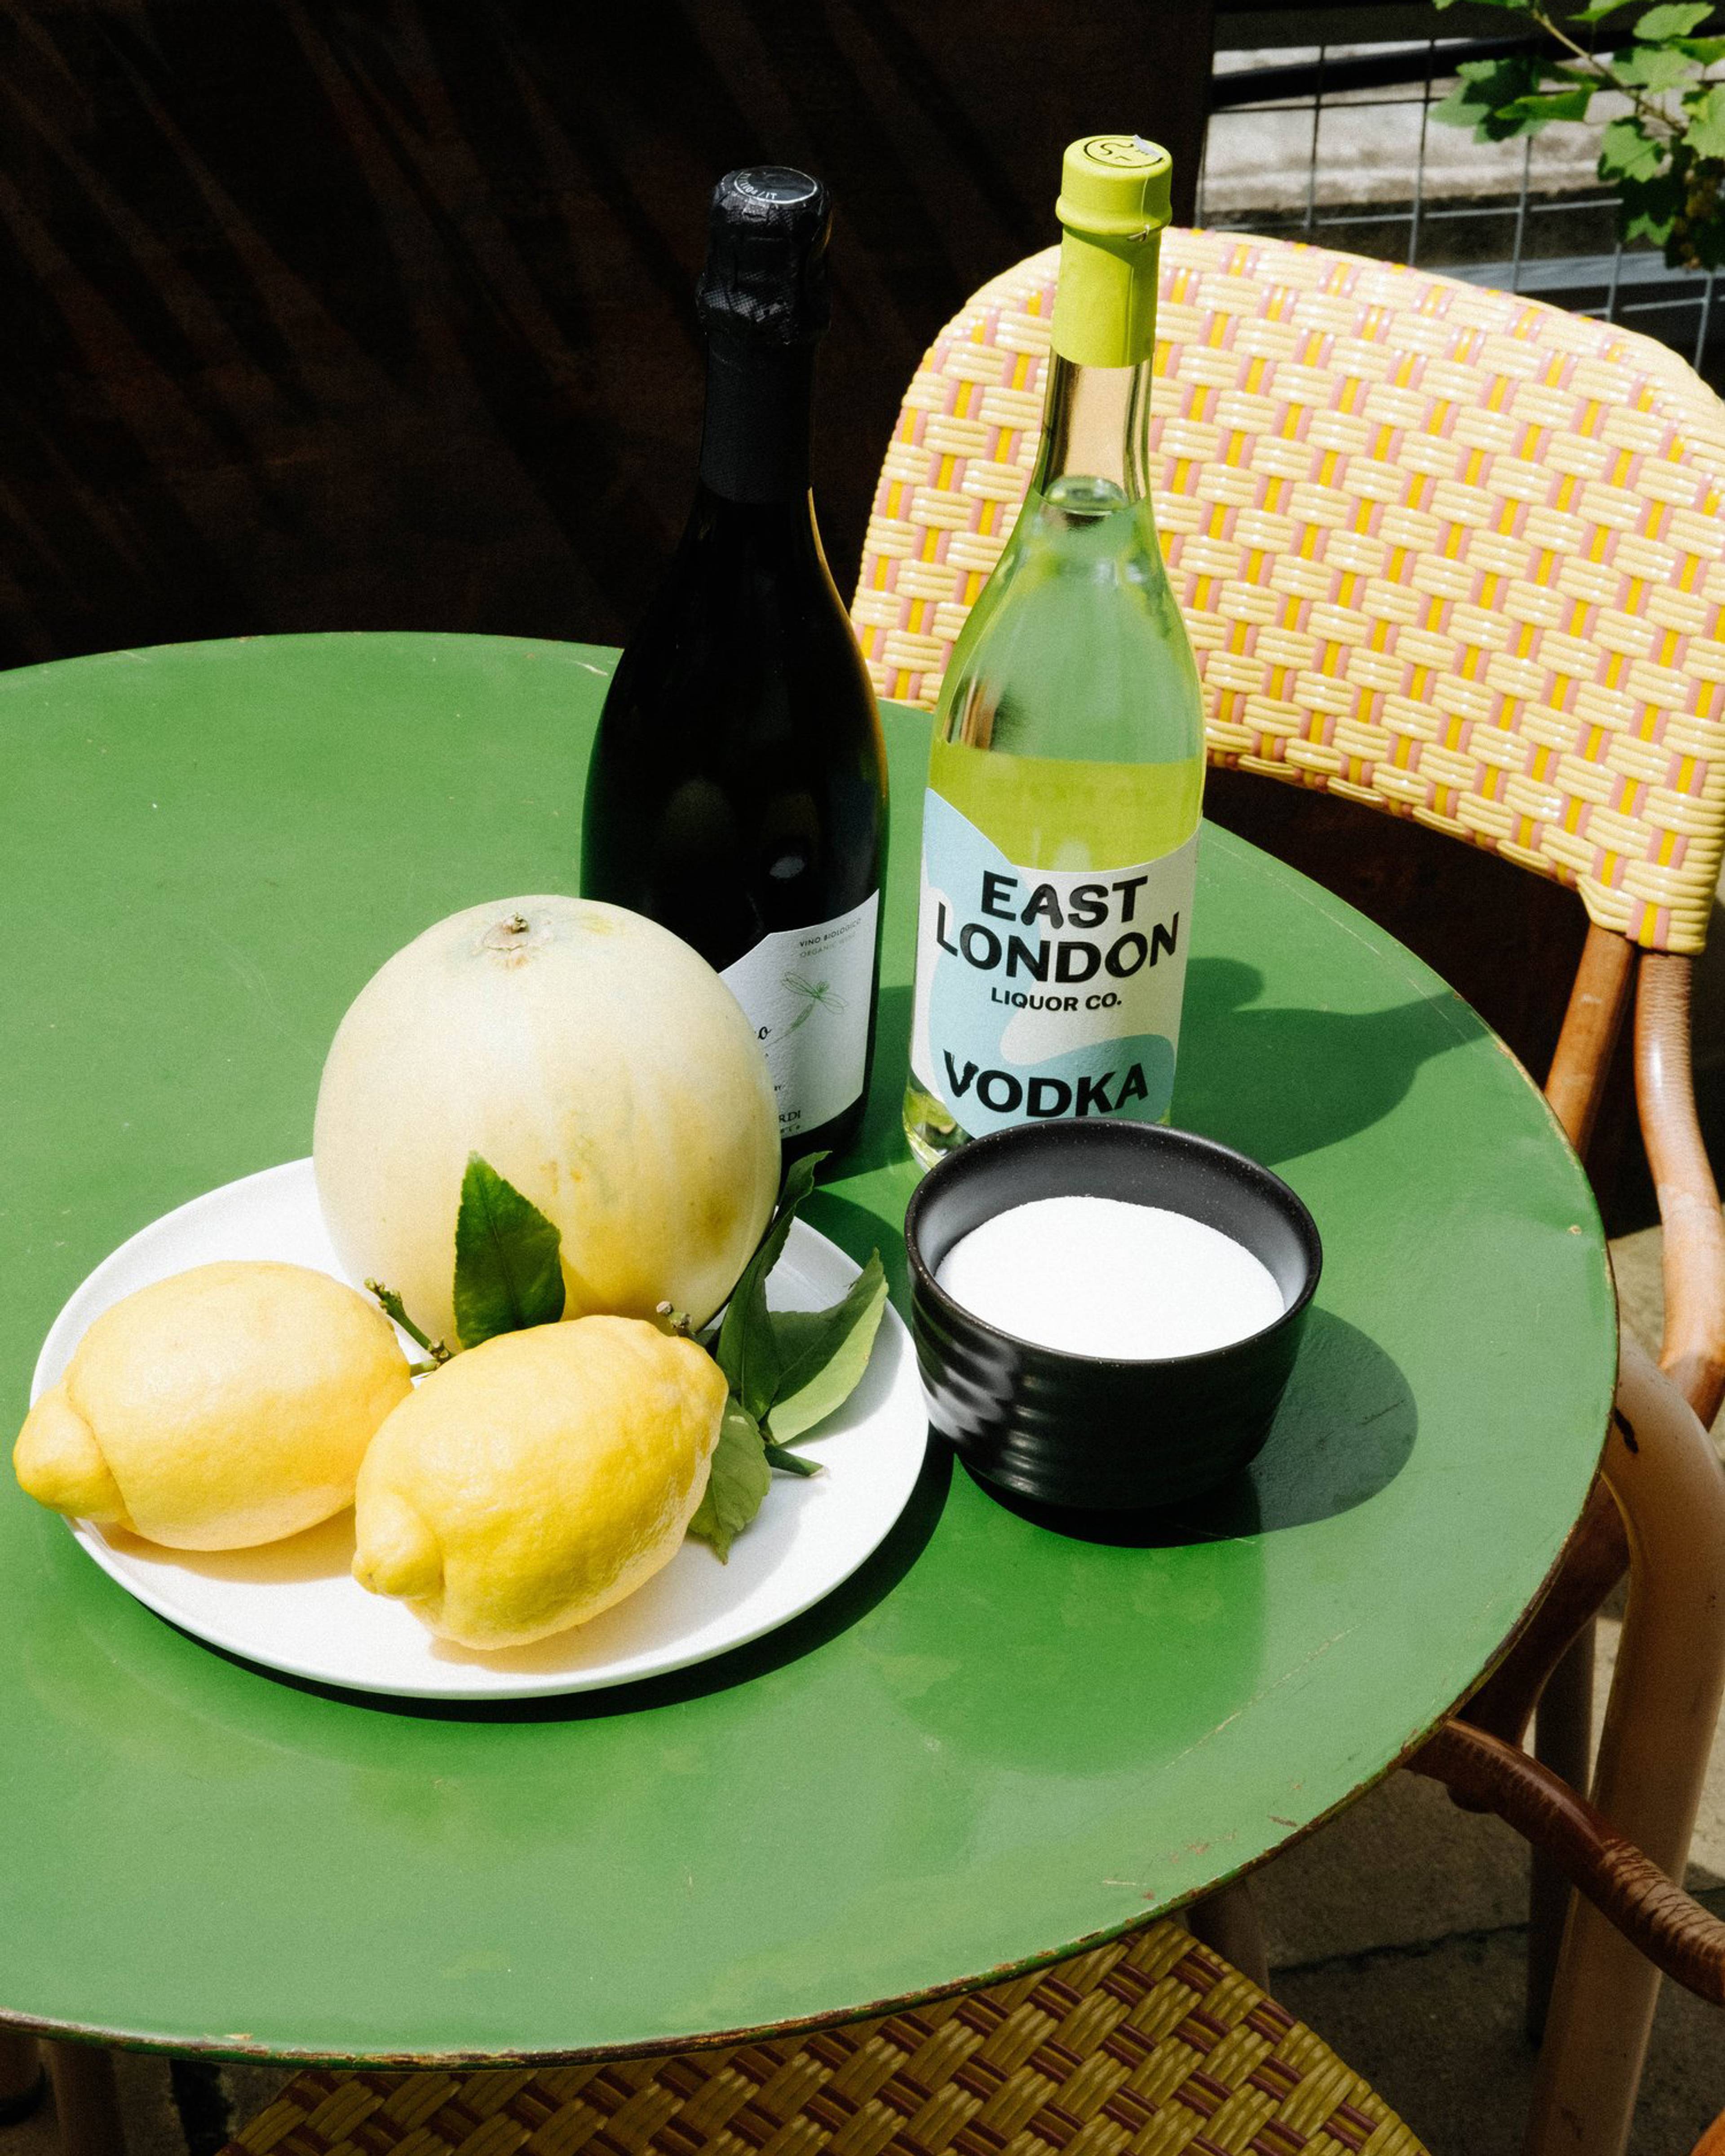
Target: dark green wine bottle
737,792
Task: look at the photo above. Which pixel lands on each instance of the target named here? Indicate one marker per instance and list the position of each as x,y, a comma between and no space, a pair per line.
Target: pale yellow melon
596,1062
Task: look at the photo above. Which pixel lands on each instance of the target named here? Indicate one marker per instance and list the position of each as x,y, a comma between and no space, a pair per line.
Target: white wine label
806,993
1043,993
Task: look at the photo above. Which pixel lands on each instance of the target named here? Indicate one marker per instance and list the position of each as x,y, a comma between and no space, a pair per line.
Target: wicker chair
1459,558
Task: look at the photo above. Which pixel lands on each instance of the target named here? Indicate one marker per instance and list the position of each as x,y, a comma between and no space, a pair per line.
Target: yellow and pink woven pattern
1449,552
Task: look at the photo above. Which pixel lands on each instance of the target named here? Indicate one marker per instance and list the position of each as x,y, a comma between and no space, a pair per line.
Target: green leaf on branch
787,1371
1600,10
747,1350
1649,208
1707,50
738,1479
1541,110
1652,67
823,1354
1486,93
1660,23
1706,132
509,1271
1627,151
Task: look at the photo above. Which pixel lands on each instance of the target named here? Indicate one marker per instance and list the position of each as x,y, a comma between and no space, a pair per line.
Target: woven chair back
1445,552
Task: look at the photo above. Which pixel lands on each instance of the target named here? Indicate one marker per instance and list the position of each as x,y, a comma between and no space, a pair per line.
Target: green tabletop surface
993,1743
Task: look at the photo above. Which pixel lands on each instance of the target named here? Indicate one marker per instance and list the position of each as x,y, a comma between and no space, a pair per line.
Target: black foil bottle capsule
737,792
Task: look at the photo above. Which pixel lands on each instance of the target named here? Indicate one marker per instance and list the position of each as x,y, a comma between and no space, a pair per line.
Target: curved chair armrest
1693,1352
1669,1926
1659,1726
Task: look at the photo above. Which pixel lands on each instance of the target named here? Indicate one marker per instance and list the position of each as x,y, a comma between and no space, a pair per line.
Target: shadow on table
1345,1427
881,1140
848,1603
1278,1081
1344,1432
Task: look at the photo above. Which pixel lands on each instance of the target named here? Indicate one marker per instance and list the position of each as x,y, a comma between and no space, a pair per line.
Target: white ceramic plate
294,1606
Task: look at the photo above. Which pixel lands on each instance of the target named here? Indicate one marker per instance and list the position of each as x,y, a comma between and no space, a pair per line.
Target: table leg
1227,1922
1563,1740
21,2078
86,2099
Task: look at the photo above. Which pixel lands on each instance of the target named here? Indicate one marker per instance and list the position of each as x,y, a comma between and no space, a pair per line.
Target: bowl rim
1157,1136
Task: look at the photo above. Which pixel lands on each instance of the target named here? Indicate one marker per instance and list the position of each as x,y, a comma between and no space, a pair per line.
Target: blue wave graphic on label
1044,992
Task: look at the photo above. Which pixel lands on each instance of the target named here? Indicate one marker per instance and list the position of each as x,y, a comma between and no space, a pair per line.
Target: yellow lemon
225,1406
538,1478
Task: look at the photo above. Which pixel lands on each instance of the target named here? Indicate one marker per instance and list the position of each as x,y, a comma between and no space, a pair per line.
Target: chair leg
86,2099
1563,1740
1659,1727
1226,1922
21,2078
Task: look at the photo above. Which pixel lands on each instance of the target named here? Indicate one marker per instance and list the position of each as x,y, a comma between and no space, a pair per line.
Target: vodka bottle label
1046,992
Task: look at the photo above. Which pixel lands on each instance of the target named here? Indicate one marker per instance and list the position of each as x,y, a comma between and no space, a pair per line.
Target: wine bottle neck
1096,424
754,443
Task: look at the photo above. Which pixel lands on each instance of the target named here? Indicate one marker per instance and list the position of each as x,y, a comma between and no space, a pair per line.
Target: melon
596,1062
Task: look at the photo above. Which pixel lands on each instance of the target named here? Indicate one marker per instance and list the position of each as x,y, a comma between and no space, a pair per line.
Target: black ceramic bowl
1085,1431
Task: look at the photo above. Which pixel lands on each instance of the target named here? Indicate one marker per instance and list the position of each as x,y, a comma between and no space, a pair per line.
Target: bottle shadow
1281,1080
1344,1432
881,1140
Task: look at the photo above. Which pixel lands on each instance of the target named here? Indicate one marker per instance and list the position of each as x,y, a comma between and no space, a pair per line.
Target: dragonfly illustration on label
806,993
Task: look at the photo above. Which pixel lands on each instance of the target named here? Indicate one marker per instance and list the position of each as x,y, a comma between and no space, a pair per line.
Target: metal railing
1432,220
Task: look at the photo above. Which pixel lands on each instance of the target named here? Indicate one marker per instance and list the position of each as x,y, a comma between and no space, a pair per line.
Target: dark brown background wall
376,316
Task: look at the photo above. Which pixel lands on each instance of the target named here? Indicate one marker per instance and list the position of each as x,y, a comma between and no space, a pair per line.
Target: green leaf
1651,67
1627,151
1486,92
790,1463
1706,132
1460,109
1677,21
1540,111
747,1351
1600,10
1648,208
508,1269
823,1354
1707,50
738,1481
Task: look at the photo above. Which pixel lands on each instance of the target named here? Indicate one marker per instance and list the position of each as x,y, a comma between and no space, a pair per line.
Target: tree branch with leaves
1665,156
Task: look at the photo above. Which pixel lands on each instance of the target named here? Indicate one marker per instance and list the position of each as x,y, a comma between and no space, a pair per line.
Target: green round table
996,1742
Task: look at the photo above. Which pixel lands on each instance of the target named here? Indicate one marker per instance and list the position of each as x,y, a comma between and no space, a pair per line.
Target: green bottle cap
1114,203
